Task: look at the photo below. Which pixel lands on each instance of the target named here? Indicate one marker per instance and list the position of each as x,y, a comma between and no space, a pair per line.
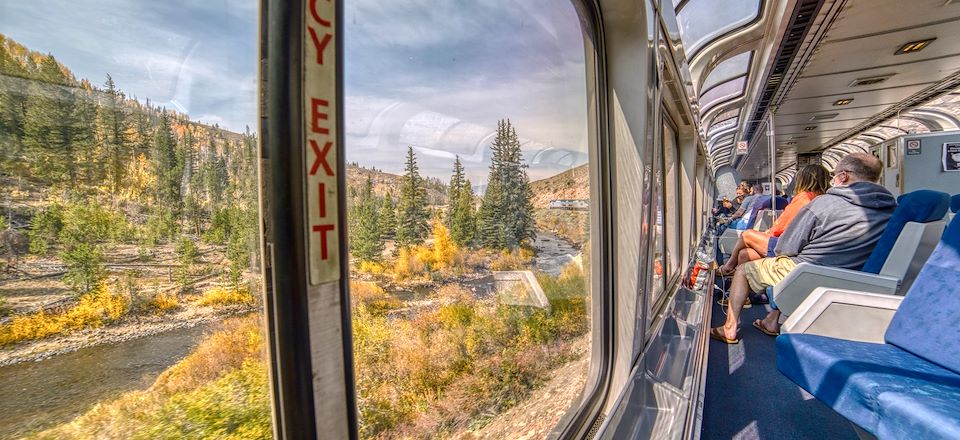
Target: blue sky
435,75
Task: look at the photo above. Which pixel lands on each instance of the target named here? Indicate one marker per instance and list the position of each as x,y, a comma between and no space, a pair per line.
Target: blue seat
921,206
907,387
955,203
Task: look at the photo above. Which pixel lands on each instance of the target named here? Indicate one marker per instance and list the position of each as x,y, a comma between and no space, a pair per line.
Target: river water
38,395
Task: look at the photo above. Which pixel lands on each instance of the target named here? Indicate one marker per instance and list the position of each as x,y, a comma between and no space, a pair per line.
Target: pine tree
412,215
463,220
388,216
51,126
366,241
453,191
505,218
164,160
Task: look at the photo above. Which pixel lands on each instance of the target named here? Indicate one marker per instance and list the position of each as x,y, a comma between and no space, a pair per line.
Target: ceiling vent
810,128
870,80
823,117
798,136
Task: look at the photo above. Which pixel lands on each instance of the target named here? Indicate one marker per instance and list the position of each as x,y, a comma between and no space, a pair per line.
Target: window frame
756,19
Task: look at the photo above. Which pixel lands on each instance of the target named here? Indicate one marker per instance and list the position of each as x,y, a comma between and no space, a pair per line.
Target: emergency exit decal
320,137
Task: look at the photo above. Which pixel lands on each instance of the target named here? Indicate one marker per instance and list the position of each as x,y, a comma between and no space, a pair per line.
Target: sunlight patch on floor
749,432
737,355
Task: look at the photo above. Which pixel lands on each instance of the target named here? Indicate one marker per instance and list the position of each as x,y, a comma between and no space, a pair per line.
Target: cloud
196,57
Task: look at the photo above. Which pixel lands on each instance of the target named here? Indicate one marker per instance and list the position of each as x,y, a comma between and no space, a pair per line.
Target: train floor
747,398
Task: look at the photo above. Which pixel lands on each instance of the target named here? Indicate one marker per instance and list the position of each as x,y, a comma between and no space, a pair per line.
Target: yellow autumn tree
444,249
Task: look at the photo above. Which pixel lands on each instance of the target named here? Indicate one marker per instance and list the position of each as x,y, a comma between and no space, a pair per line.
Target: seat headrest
955,203
775,203
926,321
921,206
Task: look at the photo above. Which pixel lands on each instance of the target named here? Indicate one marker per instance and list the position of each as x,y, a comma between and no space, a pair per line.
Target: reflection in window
726,114
727,70
672,232
724,91
444,154
658,266
722,125
703,20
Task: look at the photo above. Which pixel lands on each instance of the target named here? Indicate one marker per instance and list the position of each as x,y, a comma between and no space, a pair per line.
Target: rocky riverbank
129,328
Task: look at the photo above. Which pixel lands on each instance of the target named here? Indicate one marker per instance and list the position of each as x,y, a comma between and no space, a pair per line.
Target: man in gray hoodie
839,229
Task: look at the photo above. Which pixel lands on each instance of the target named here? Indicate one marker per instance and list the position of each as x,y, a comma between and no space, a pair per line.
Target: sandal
759,326
717,333
720,273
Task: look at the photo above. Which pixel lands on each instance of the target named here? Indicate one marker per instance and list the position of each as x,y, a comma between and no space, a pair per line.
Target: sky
431,74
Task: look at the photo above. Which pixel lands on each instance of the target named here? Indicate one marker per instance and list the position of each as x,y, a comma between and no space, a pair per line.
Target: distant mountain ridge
573,184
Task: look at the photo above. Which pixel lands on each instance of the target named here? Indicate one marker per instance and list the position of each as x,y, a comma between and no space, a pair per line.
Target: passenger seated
811,181
839,228
737,220
724,208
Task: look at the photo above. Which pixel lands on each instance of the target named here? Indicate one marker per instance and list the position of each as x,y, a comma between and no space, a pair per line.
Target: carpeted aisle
747,398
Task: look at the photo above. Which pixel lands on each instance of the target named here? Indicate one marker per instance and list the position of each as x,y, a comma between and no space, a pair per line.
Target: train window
671,209
658,263
722,92
701,21
469,208
130,291
727,70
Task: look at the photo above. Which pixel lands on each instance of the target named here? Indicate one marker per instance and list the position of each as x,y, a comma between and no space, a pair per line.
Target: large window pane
468,216
672,223
128,173
723,92
727,70
703,20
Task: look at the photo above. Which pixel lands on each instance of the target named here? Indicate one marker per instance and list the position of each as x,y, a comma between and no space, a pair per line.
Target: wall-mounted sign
951,156
742,147
804,159
913,147
320,138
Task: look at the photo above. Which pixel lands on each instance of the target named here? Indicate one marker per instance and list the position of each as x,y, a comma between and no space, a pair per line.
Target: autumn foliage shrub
96,308
219,391
516,259
222,296
437,371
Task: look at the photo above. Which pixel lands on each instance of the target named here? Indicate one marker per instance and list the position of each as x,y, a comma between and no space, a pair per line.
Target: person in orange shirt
811,181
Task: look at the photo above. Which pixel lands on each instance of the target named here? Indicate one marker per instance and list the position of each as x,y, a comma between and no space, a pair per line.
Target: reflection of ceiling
848,41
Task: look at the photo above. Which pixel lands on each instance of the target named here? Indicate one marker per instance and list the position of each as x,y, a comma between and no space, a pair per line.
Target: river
38,395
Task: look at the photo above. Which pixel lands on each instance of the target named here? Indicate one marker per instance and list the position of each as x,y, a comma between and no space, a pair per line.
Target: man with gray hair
839,229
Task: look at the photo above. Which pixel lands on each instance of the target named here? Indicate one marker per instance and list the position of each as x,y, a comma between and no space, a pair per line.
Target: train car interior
500,219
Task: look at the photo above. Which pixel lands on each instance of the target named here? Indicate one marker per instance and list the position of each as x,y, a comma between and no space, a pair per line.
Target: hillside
386,182
571,184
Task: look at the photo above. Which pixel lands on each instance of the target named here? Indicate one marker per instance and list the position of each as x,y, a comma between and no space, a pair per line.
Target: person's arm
797,234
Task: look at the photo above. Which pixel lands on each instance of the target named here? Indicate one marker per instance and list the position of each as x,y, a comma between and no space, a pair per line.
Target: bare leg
771,322
739,289
755,240
748,255
734,259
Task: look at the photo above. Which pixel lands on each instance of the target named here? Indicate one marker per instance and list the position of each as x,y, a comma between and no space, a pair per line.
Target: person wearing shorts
837,229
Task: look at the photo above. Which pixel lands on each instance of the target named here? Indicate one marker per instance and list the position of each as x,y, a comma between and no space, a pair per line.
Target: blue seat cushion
928,417
921,206
955,203
926,323
849,376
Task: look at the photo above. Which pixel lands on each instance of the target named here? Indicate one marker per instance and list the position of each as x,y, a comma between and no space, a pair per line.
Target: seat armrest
797,285
844,314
